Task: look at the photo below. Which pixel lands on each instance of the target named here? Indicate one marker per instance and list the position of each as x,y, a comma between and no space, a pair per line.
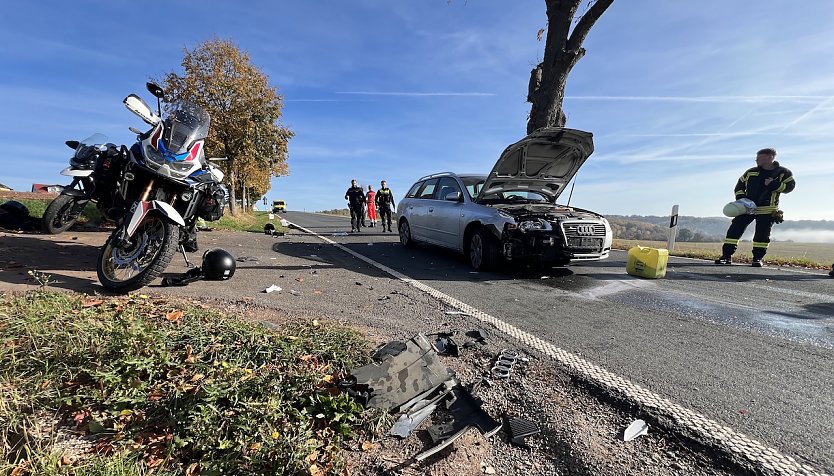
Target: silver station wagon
510,214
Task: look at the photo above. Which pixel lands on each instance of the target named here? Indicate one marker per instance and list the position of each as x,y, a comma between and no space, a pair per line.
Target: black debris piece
269,229
193,274
466,412
445,345
393,349
477,336
519,428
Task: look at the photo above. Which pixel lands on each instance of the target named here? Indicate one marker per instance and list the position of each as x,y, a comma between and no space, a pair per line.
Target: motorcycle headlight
186,196
154,157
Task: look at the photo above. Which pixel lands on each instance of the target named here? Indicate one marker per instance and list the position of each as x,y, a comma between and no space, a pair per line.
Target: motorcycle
89,167
165,183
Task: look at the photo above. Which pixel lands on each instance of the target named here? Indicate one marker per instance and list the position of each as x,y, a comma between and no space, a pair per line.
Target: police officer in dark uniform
762,184
356,202
385,203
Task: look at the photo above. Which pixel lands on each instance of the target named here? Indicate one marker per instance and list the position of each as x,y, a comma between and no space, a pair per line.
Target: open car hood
544,162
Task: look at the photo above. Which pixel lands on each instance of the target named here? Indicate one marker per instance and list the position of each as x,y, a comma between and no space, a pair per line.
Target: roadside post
673,229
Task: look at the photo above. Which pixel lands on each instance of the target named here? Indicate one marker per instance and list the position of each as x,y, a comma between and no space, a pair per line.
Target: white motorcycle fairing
72,172
142,210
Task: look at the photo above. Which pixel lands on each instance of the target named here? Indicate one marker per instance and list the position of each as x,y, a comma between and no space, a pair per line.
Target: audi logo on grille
586,230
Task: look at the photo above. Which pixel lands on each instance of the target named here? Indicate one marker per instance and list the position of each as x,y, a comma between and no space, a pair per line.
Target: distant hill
715,228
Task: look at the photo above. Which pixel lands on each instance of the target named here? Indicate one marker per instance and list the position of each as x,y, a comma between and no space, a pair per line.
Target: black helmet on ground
218,264
16,208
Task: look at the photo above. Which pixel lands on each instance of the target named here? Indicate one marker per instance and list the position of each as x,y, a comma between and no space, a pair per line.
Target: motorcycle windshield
185,124
95,139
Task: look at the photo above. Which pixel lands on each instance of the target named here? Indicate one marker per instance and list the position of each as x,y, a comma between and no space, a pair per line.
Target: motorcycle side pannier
214,203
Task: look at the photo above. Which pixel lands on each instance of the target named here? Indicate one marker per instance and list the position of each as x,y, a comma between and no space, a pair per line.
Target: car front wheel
483,252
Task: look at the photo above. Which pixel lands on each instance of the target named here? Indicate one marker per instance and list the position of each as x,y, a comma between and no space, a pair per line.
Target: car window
427,190
413,190
446,186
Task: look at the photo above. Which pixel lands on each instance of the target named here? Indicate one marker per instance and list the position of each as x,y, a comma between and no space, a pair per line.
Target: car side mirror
136,105
454,197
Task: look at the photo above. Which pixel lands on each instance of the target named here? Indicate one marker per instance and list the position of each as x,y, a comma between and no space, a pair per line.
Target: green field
804,254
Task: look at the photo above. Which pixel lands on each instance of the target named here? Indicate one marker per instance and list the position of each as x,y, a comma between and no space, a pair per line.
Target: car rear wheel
405,234
483,251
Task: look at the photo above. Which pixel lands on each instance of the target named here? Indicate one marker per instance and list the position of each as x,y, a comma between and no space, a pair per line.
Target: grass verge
780,254
136,385
251,222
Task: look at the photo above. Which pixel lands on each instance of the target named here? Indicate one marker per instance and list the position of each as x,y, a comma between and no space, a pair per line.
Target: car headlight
533,225
504,214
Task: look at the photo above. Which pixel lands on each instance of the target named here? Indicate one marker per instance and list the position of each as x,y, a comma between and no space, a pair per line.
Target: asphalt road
750,348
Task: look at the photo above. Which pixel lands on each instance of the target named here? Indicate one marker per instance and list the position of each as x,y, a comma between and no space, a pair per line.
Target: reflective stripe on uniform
731,241
757,244
765,209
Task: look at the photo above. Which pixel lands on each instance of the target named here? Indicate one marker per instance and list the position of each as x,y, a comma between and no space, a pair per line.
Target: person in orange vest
370,199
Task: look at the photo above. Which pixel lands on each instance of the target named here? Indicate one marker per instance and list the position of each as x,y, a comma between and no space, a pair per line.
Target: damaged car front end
552,234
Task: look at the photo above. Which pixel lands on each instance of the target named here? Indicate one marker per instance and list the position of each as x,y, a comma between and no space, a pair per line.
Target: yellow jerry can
647,262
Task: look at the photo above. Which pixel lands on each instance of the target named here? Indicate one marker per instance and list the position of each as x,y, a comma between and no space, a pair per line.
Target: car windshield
514,196
473,185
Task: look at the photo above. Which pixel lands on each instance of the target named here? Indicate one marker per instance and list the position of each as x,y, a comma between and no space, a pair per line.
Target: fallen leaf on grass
197,378
316,323
367,446
174,316
312,456
66,460
91,301
193,469
315,470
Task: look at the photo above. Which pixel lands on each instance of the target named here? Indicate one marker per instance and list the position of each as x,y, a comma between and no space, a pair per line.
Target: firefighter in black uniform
762,184
356,202
385,203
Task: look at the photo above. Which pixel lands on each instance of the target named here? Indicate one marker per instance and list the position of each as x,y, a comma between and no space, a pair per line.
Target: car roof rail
439,174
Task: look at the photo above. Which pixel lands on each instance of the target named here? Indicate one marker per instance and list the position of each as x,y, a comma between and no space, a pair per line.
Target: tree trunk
232,193
563,49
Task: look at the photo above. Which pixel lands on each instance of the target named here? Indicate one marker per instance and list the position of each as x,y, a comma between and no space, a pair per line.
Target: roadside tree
245,115
563,49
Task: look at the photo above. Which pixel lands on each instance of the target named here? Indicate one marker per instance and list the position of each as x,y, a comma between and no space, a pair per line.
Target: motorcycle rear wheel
57,217
131,266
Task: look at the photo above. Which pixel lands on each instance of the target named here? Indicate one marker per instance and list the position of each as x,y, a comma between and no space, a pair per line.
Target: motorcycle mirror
155,89
72,144
139,107
135,131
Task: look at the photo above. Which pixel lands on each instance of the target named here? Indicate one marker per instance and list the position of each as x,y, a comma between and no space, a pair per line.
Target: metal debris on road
294,292
341,233
519,429
504,364
456,313
272,289
637,428
244,259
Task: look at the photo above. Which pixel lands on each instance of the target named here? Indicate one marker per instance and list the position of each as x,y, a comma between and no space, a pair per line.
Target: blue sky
679,95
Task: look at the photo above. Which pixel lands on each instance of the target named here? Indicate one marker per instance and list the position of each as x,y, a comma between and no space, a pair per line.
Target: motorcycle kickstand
182,250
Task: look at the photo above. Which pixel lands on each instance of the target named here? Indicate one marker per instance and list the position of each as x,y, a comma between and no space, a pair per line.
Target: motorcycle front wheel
58,216
129,266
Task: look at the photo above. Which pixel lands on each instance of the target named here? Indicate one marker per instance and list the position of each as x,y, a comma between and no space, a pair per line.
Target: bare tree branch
586,23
